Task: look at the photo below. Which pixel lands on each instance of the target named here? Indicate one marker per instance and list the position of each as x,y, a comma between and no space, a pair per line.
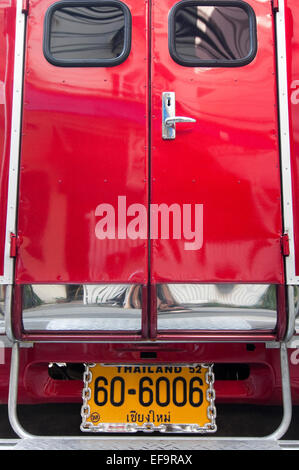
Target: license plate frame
92,412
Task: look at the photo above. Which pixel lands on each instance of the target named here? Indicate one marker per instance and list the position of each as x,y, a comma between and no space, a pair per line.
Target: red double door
97,175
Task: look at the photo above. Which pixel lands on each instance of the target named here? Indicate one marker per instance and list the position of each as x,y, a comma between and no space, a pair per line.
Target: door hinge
285,244
25,6
13,245
275,6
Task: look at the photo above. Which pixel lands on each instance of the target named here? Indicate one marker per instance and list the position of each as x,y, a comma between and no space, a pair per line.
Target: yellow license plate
132,398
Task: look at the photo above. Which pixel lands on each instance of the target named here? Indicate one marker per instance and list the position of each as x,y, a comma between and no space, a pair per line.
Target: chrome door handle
173,120
169,119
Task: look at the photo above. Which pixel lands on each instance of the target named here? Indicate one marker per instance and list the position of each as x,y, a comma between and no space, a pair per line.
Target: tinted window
211,34
87,33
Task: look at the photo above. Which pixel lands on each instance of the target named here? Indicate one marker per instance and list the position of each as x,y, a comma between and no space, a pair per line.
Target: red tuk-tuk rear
148,205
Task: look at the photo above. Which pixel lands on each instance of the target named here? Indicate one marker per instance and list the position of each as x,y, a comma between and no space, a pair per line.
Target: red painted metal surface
228,161
84,144
292,24
220,162
7,29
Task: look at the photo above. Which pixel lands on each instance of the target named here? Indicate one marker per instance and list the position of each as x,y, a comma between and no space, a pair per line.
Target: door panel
84,144
227,162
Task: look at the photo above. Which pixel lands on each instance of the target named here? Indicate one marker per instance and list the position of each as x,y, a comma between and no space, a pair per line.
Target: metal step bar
272,438
145,444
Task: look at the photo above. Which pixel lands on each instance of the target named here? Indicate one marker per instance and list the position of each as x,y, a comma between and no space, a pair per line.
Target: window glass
88,34
212,35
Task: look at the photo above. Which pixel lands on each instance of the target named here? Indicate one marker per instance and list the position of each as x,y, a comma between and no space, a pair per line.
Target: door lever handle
169,119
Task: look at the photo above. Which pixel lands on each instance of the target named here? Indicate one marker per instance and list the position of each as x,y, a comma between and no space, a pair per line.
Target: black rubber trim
87,62
212,63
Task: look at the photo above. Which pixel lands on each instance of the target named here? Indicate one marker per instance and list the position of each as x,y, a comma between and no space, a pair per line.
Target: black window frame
87,62
213,62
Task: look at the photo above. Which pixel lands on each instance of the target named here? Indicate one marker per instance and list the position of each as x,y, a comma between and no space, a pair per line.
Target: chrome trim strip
285,147
7,278
291,327
7,313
